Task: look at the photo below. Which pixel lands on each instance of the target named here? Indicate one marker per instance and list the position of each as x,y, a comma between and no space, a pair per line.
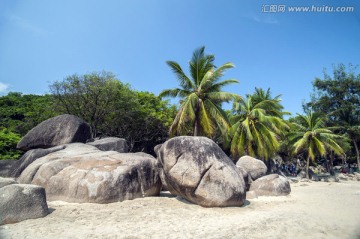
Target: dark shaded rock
111,144
246,176
62,129
6,181
29,157
254,167
196,169
19,202
6,167
271,185
82,173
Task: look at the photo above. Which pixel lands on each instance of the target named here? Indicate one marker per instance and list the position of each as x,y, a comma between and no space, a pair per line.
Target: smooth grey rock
59,130
6,181
19,202
29,157
6,167
111,144
254,167
271,185
251,195
196,169
84,174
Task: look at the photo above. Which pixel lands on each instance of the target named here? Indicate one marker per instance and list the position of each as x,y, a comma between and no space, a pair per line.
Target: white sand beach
312,210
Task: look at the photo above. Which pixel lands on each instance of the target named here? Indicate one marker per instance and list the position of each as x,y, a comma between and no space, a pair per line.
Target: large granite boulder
19,202
196,169
271,185
62,129
254,167
82,173
111,144
29,157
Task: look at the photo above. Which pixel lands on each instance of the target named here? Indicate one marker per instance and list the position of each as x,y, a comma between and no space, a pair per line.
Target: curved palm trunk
357,153
307,166
197,120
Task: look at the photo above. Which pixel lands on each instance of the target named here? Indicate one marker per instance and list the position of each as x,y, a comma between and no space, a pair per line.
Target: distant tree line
111,108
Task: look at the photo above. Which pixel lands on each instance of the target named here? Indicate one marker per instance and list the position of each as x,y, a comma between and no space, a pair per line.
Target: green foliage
200,110
338,98
114,109
8,141
19,113
143,120
91,96
257,125
310,135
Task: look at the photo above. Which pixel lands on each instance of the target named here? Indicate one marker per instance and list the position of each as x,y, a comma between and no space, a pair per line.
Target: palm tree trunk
307,166
196,127
331,166
357,153
197,123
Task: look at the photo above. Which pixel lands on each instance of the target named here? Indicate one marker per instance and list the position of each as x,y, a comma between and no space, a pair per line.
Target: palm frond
184,80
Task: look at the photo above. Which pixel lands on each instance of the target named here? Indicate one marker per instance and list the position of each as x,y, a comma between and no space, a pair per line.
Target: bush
8,141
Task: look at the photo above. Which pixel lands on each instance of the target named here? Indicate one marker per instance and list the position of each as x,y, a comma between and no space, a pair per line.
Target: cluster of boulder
61,165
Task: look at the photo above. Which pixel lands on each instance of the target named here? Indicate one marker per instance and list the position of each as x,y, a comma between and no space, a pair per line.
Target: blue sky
42,41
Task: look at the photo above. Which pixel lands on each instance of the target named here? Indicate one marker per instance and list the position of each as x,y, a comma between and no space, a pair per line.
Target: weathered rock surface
62,129
271,185
19,202
6,181
111,144
6,167
196,169
29,157
82,173
254,167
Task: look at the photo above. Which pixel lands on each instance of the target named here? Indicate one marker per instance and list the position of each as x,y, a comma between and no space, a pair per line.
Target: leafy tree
91,96
8,141
19,113
201,96
257,125
114,109
143,121
311,136
339,98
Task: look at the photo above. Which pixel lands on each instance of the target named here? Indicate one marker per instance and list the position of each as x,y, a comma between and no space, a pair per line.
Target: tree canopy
311,136
200,112
257,125
338,98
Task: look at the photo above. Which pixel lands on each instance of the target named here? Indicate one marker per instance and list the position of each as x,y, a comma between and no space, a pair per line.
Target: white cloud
262,19
3,87
26,25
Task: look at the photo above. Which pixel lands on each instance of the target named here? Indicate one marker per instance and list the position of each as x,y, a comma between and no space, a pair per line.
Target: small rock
19,202
271,185
254,167
111,144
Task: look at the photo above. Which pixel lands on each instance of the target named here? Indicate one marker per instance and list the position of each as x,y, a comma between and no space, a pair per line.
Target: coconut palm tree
200,96
257,127
311,136
273,108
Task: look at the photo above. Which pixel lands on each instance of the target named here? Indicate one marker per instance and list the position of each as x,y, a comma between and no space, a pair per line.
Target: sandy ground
312,210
